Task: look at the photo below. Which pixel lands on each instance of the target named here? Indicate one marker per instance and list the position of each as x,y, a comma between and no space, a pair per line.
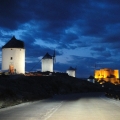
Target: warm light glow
116,73
106,73
11,69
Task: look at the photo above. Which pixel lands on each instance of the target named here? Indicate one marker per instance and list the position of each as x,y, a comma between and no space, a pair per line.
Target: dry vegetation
18,89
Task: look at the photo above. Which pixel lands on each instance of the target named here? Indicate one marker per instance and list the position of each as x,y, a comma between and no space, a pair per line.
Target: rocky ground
18,89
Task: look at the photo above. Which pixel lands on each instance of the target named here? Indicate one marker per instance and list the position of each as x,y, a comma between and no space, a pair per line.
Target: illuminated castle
13,56
106,73
71,71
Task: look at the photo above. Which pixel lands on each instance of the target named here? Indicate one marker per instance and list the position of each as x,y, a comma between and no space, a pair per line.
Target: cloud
101,51
64,25
114,38
13,13
33,49
19,12
97,48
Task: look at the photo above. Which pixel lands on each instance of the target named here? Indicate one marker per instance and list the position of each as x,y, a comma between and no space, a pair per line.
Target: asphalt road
90,106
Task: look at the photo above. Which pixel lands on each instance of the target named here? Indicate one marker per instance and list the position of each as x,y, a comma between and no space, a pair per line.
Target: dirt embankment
18,89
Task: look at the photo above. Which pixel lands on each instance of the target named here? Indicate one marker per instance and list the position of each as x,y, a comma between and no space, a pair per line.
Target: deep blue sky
83,32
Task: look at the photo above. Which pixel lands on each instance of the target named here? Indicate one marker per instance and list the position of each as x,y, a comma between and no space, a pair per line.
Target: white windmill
71,71
13,56
48,62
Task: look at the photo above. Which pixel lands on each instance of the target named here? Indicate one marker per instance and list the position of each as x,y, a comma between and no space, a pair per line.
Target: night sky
84,33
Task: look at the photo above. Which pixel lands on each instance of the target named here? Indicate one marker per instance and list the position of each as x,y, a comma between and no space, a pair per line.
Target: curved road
89,106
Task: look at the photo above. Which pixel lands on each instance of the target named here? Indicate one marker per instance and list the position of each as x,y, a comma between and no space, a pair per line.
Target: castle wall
106,73
97,74
116,73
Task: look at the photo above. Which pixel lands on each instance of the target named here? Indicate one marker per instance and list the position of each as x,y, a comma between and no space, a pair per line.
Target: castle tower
47,63
13,56
71,72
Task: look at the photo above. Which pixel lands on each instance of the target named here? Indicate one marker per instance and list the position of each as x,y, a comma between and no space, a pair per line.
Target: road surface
90,106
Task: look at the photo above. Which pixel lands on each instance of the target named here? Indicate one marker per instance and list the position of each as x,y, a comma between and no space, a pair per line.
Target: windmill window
11,58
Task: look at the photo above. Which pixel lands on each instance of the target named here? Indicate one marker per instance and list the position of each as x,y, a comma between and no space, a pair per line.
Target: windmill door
11,69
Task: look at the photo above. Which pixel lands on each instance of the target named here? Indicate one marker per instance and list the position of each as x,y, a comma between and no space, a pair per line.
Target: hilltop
16,89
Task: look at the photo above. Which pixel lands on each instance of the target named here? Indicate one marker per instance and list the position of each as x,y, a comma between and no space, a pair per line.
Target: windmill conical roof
14,43
71,68
47,56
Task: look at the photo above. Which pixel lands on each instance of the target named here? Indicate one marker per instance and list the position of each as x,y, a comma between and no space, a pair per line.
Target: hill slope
17,89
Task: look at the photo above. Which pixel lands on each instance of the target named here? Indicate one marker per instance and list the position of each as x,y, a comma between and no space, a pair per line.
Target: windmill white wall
13,53
71,73
47,65
15,57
